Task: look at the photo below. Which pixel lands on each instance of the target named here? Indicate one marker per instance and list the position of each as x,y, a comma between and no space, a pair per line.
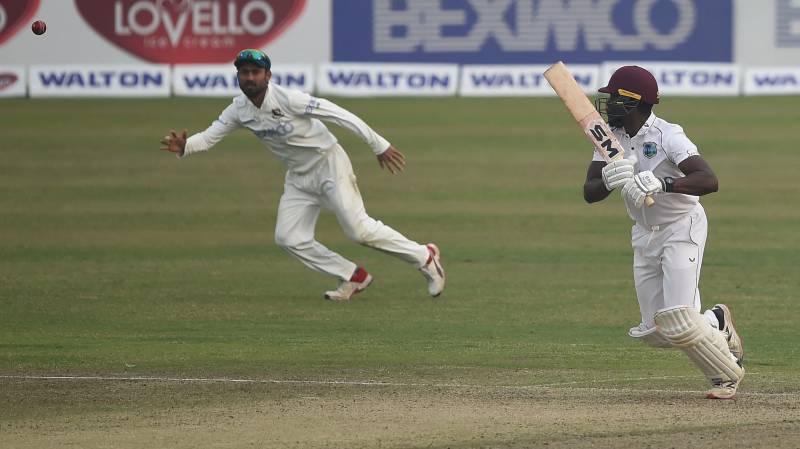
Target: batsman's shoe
433,271
347,289
734,340
723,389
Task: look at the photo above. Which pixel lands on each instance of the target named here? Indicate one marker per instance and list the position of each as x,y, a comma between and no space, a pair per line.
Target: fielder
319,174
668,238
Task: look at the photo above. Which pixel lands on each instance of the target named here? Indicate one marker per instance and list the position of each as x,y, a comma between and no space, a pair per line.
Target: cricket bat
590,121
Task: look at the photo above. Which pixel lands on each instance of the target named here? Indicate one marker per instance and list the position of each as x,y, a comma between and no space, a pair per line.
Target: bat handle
649,201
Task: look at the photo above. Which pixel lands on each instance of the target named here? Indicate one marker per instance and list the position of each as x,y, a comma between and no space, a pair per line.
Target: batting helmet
634,82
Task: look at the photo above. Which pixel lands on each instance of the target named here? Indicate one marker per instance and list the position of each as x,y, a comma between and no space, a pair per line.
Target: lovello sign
15,14
189,31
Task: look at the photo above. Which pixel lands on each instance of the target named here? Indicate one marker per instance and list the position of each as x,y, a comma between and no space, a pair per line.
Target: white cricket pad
650,337
686,329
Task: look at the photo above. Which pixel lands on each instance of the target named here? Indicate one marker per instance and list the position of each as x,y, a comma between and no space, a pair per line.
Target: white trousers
666,263
332,184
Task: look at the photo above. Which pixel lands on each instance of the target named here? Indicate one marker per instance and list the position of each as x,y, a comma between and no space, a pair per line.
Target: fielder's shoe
433,271
347,289
723,389
726,326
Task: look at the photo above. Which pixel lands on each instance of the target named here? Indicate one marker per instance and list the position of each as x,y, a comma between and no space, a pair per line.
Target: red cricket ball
38,27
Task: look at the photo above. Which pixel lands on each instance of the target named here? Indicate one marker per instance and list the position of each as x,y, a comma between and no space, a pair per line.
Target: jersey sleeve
327,111
227,122
678,146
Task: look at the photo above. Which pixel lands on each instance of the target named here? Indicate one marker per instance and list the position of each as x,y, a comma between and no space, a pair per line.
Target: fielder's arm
328,111
388,156
182,146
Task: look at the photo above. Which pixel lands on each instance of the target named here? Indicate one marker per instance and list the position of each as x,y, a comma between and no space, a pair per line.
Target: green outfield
157,281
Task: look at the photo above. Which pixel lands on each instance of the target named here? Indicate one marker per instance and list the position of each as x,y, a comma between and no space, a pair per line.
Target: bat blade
590,121
583,111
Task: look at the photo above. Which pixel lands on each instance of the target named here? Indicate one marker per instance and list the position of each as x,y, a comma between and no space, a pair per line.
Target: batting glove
617,173
640,186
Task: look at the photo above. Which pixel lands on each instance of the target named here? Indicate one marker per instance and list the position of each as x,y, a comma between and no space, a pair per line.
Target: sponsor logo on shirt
650,150
313,104
283,129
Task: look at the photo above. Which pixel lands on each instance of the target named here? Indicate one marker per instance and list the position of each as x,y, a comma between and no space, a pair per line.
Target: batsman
668,238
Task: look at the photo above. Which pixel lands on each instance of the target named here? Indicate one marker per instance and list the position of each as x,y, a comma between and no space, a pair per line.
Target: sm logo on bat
603,141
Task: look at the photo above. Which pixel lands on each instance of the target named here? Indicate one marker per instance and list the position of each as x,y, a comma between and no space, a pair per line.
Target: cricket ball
38,27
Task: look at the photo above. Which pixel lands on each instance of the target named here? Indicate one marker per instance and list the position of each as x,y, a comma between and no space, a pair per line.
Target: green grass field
119,262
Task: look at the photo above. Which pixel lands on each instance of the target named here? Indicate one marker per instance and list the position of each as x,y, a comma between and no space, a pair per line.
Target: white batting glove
617,173
640,186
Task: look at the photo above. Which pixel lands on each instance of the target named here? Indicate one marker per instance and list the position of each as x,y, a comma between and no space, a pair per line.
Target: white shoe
734,340
723,389
433,271
347,289
639,331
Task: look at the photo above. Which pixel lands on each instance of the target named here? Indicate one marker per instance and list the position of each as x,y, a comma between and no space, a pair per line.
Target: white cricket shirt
288,124
659,146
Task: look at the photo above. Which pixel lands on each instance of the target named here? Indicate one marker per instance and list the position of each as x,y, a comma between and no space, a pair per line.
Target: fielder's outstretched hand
392,159
174,143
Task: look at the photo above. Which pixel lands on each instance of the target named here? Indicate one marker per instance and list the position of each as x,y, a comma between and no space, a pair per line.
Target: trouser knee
288,243
362,231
